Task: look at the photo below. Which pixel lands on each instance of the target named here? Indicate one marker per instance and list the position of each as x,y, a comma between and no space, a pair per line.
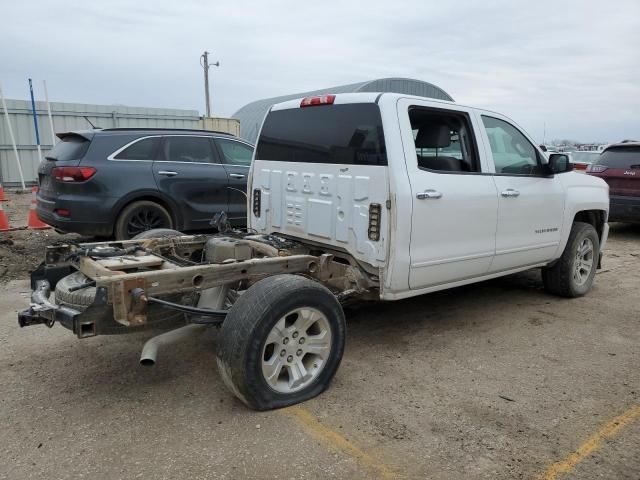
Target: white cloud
572,65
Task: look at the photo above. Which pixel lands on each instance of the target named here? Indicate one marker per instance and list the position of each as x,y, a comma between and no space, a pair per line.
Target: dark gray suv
121,182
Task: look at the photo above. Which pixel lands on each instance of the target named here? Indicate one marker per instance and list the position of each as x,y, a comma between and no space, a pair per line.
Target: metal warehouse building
252,114
78,116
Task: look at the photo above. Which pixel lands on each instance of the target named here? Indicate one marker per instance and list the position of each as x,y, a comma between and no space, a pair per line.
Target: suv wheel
140,216
572,275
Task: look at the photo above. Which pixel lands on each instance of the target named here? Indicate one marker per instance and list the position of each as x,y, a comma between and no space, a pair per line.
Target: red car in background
619,166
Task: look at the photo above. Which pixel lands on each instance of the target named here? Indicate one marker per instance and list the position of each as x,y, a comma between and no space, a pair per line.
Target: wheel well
593,217
151,198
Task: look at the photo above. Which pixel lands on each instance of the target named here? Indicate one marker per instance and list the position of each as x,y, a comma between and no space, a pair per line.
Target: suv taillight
596,168
73,174
318,100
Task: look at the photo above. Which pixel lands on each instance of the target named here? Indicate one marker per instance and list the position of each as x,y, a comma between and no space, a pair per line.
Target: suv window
235,153
70,147
345,134
185,148
512,153
143,149
620,157
443,141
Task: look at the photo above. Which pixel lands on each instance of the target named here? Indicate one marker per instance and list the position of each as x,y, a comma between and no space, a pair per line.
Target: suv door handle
430,193
236,175
167,173
510,192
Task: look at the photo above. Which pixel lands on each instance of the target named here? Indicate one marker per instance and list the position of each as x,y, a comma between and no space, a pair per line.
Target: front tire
572,275
282,342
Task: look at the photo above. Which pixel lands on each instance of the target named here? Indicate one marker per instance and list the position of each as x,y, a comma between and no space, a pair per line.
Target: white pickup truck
351,197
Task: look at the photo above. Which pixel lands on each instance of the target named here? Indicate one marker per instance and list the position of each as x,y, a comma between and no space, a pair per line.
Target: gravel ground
492,381
21,250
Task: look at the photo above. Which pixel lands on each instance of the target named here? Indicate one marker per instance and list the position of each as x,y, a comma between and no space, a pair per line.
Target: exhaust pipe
150,349
213,298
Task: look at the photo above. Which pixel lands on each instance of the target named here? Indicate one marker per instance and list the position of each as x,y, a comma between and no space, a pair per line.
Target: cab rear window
345,134
620,157
70,147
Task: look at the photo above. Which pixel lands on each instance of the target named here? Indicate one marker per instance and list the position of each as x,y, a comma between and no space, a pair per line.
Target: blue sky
572,66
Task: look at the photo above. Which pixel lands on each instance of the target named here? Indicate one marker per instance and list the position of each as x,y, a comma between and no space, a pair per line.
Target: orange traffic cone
4,221
2,197
34,223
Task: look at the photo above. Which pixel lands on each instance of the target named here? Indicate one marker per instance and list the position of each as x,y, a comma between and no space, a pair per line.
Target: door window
512,153
235,153
443,141
188,149
144,149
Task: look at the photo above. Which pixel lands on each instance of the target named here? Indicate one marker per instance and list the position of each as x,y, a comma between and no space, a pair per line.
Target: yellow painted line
312,426
608,430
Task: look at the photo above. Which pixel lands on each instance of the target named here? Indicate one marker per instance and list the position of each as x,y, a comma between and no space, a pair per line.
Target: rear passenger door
454,202
236,157
190,173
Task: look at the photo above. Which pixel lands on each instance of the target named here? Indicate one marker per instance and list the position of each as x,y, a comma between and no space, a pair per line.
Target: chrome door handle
167,173
236,175
510,192
430,193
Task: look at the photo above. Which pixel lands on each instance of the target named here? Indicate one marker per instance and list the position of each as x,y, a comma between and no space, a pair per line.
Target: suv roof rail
146,129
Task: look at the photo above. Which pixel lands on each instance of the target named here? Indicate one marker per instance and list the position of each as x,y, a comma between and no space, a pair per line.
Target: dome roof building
252,114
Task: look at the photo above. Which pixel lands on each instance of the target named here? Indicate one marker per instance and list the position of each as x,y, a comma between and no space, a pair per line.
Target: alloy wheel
296,350
583,264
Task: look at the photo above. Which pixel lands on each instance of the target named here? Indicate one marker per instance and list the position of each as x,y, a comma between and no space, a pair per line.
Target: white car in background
581,160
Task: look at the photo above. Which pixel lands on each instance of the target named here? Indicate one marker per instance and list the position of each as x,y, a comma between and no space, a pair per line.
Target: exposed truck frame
130,275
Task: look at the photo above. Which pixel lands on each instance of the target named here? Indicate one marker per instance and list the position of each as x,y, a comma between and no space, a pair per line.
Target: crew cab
375,196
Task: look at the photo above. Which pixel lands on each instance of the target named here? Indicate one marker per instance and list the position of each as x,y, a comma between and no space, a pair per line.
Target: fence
76,116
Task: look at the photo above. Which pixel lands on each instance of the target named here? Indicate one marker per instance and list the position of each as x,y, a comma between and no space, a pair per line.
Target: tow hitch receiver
43,311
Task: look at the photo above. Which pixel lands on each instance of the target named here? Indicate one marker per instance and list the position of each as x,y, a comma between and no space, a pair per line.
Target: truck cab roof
357,97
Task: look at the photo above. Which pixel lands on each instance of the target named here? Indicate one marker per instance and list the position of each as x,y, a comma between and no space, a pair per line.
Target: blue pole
33,109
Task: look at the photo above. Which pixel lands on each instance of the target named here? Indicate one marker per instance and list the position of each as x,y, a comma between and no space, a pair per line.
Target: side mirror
560,163
543,148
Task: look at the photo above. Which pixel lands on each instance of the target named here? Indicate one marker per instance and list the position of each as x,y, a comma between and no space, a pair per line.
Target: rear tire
572,275
140,216
282,342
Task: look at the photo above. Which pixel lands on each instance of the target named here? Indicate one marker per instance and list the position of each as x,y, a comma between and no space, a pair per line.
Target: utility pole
204,62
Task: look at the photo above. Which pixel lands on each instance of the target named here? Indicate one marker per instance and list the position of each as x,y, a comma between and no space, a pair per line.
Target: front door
454,214
531,202
191,174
